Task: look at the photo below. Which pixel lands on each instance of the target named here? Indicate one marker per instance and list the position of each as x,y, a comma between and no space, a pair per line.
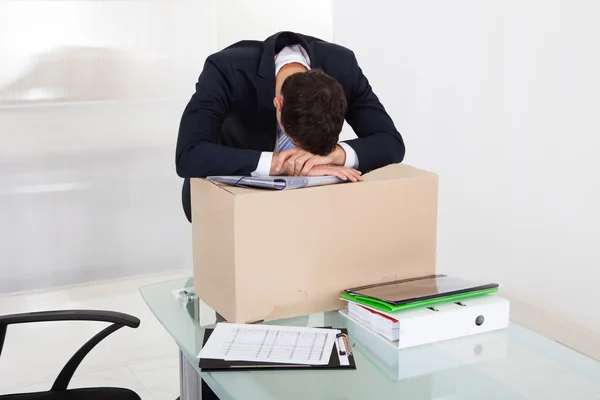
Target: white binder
445,321
431,358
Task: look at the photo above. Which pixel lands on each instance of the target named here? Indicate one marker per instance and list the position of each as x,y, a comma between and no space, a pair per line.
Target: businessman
277,108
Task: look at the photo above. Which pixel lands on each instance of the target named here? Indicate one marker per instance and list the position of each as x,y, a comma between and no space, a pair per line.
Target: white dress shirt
288,55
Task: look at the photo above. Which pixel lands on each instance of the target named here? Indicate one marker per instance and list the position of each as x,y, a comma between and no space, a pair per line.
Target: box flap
395,171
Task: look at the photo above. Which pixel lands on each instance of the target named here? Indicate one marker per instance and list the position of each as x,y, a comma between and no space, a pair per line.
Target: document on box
276,182
268,343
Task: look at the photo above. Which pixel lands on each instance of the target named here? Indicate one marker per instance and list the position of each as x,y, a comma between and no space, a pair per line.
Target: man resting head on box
277,108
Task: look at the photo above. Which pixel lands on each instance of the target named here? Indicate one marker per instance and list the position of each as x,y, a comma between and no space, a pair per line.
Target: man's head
311,111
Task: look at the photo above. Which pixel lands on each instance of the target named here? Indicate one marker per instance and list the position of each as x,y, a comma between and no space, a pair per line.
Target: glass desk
511,364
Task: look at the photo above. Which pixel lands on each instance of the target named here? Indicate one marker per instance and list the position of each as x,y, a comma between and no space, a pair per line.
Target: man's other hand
344,173
295,162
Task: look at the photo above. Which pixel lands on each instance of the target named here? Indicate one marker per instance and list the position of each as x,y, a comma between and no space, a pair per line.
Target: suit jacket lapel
265,77
265,90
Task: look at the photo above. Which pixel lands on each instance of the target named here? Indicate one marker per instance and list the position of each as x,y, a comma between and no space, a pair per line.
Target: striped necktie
284,142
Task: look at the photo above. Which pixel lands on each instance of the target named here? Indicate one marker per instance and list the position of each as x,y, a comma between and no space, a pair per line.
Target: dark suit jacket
230,119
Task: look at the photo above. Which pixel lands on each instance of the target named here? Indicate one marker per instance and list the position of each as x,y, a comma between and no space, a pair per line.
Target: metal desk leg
189,381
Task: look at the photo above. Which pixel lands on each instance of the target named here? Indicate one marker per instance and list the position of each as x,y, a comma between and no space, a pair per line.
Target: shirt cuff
351,157
264,164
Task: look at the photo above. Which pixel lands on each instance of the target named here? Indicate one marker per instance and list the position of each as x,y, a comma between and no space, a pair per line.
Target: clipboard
213,365
276,182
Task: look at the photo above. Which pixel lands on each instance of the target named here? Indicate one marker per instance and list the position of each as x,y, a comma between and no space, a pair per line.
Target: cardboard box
264,255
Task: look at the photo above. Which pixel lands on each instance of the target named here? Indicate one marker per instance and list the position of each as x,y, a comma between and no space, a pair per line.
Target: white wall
258,19
90,103
501,99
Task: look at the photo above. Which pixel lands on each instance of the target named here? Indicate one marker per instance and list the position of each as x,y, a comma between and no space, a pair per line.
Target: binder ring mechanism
342,339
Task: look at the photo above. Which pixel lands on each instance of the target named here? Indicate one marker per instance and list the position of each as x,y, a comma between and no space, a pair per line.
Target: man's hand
344,173
294,162
298,162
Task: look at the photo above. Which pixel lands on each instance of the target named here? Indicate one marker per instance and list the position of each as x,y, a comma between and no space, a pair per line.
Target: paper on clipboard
273,344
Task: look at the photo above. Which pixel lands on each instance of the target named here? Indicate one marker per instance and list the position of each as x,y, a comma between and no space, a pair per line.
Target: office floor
143,359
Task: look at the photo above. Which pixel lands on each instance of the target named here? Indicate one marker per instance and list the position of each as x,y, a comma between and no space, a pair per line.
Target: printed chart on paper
276,344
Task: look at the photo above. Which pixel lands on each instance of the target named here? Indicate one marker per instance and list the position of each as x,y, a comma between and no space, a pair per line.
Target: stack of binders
425,310
377,321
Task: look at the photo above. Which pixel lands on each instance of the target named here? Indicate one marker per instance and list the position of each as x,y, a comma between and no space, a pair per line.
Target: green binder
388,307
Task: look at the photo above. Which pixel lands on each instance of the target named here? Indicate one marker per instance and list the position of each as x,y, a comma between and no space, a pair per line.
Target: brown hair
313,111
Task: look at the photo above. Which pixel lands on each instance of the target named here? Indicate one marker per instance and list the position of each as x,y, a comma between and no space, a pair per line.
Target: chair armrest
117,319
71,315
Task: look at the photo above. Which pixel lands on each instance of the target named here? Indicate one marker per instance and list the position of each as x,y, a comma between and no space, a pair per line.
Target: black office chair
59,389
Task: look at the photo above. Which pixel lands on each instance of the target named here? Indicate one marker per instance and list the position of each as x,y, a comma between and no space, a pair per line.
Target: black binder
211,365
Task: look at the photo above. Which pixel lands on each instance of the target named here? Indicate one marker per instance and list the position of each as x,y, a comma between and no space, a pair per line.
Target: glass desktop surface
514,363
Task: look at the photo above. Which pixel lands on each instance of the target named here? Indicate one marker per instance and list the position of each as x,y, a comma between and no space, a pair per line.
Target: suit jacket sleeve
198,153
379,143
